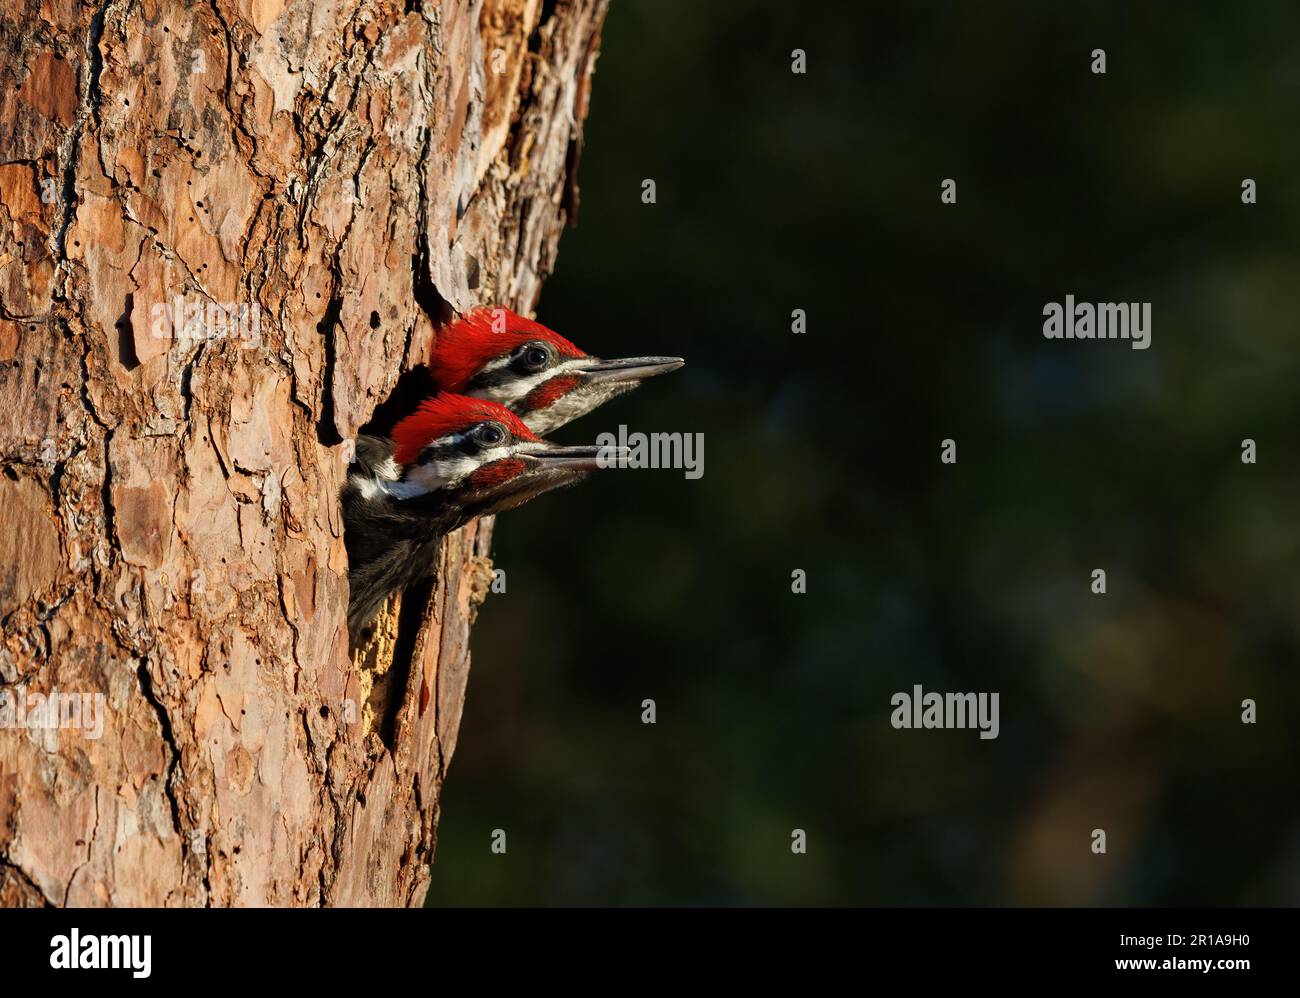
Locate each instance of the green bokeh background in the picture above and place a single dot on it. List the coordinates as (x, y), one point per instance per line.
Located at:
(821, 192)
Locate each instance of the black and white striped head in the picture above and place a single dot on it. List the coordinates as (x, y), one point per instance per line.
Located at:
(540, 376)
(476, 454)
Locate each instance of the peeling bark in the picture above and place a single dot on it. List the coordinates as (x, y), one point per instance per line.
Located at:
(226, 230)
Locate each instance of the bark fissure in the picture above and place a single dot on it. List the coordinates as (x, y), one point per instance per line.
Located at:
(25, 882)
(89, 105)
(326, 429)
(165, 726)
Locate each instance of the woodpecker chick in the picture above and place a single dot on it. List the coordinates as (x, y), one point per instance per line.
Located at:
(452, 460)
(494, 354)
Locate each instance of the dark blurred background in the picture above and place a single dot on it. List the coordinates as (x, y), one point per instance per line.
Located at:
(778, 191)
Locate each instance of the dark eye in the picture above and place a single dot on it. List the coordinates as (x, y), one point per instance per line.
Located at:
(536, 357)
(489, 434)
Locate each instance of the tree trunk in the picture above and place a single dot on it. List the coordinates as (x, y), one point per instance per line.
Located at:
(226, 230)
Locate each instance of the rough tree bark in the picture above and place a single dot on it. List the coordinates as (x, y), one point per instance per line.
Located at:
(226, 230)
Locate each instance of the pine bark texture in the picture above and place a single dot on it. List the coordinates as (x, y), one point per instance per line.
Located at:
(226, 229)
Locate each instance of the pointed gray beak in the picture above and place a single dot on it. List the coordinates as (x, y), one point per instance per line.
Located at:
(630, 368)
(580, 458)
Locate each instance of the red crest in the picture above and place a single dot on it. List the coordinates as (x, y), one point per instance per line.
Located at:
(465, 345)
(446, 413)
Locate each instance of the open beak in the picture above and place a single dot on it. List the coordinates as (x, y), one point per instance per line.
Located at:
(548, 456)
(630, 368)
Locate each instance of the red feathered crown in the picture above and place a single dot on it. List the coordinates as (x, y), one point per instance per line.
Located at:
(445, 413)
(467, 344)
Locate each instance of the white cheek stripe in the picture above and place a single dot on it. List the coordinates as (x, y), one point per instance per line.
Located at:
(518, 389)
(370, 488)
(421, 479)
(386, 474)
(496, 364)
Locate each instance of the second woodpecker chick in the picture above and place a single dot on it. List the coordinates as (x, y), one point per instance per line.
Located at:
(452, 460)
(494, 354)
